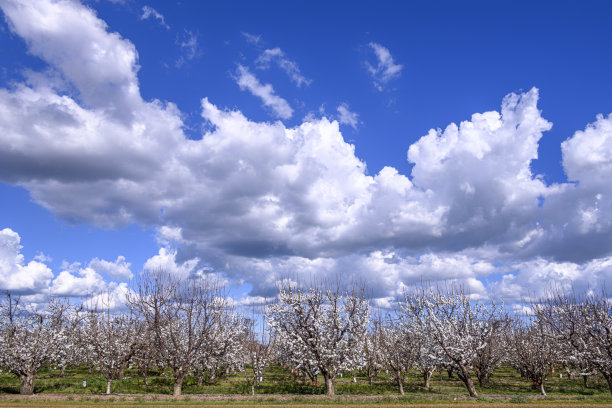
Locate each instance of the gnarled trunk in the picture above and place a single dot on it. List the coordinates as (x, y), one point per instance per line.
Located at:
(329, 385)
(427, 378)
(108, 386)
(483, 378)
(26, 384)
(542, 388)
(608, 378)
(464, 374)
(178, 384)
(400, 383)
(122, 369)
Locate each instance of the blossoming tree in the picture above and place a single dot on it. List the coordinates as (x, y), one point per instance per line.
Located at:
(459, 328)
(29, 337)
(181, 315)
(324, 323)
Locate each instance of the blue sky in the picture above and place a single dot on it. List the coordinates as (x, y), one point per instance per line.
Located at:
(257, 141)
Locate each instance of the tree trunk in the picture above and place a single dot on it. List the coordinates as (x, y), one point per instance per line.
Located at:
(253, 388)
(450, 372)
(122, 368)
(108, 386)
(570, 374)
(585, 378)
(26, 384)
(178, 384)
(400, 384)
(483, 379)
(329, 385)
(608, 378)
(542, 391)
(464, 375)
(371, 381)
(62, 371)
(427, 377)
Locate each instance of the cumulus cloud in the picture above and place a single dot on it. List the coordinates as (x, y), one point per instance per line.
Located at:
(113, 298)
(75, 281)
(166, 261)
(148, 11)
(249, 82)
(35, 278)
(255, 200)
(576, 217)
(346, 117)
(120, 269)
(387, 274)
(167, 235)
(481, 171)
(101, 65)
(386, 69)
(277, 56)
(535, 279)
(15, 274)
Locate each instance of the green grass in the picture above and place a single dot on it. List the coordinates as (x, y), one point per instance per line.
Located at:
(506, 386)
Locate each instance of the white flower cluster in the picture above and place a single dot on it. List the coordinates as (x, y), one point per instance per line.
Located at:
(321, 330)
(460, 333)
(29, 338)
(185, 327)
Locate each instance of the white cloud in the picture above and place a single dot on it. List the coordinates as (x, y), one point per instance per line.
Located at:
(190, 48)
(148, 11)
(36, 278)
(386, 69)
(386, 274)
(247, 81)
(576, 221)
(69, 36)
(252, 38)
(167, 235)
(253, 199)
(535, 279)
(587, 156)
(346, 117)
(78, 282)
(291, 68)
(165, 261)
(113, 298)
(41, 257)
(120, 269)
(15, 275)
(248, 302)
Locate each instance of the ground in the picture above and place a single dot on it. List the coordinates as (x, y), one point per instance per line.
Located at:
(279, 387)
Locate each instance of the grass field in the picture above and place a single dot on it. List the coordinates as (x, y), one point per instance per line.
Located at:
(279, 387)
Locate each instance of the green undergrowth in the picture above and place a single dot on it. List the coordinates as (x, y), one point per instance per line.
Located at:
(505, 386)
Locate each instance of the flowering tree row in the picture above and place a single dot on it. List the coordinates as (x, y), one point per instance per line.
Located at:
(187, 327)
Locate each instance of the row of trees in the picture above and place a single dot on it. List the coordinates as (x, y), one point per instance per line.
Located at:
(188, 328)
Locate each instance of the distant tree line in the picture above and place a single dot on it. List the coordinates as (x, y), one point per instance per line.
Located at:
(188, 327)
